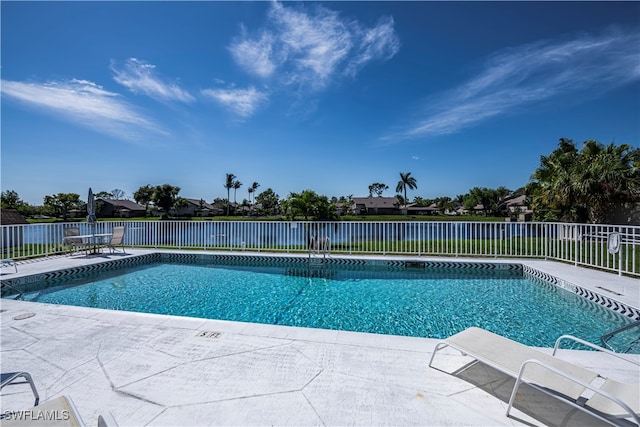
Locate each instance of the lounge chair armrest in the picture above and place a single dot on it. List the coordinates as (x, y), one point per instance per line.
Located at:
(591, 345)
(107, 420)
(560, 373)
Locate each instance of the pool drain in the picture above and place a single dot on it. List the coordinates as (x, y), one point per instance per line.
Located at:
(208, 334)
(24, 316)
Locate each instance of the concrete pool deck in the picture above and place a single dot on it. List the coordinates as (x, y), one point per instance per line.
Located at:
(159, 370)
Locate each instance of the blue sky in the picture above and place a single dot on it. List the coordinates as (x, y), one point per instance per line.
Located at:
(329, 96)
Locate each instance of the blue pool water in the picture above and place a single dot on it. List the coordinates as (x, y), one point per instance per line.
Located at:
(412, 302)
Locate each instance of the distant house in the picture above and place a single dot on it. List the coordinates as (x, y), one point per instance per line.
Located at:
(376, 205)
(11, 217)
(196, 207)
(459, 210)
(414, 209)
(13, 235)
(112, 208)
(76, 213)
(456, 209)
(343, 208)
(518, 208)
(478, 209)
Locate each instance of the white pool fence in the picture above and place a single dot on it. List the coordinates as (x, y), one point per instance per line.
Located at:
(613, 248)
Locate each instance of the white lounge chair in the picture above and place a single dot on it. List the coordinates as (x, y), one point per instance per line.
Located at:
(56, 412)
(610, 401)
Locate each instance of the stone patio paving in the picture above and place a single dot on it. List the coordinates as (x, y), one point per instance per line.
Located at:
(156, 370)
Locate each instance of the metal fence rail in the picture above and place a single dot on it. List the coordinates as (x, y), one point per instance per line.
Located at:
(580, 244)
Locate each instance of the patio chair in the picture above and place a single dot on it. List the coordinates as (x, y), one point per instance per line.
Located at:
(74, 243)
(10, 378)
(117, 239)
(606, 399)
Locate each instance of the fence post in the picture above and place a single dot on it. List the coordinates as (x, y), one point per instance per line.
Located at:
(455, 237)
(575, 237)
(620, 251)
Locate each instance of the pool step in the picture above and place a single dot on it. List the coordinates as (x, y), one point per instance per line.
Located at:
(316, 262)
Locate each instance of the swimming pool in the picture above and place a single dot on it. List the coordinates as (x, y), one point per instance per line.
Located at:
(411, 299)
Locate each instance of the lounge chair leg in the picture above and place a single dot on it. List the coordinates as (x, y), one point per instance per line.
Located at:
(8, 379)
(514, 392)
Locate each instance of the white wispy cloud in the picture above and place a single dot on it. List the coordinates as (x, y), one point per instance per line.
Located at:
(141, 77)
(517, 77)
(308, 47)
(255, 55)
(85, 103)
(243, 102)
(377, 43)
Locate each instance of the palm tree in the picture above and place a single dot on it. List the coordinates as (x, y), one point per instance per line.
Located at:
(587, 185)
(406, 180)
(606, 180)
(236, 185)
(553, 184)
(253, 189)
(229, 185)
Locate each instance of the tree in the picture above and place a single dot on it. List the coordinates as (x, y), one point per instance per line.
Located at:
(268, 199)
(311, 205)
(377, 188)
(347, 203)
(228, 184)
(236, 186)
(252, 190)
(11, 200)
(607, 181)
(62, 203)
(444, 204)
(143, 196)
(596, 184)
(300, 204)
(219, 203)
(406, 180)
(551, 184)
(180, 202)
(118, 194)
(490, 199)
(103, 195)
(165, 196)
(501, 194)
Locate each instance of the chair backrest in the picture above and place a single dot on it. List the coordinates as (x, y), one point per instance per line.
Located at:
(69, 234)
(117, 238)
(71, 231)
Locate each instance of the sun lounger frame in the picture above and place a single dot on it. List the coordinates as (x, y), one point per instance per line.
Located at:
(11, 377)
(544, 363)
